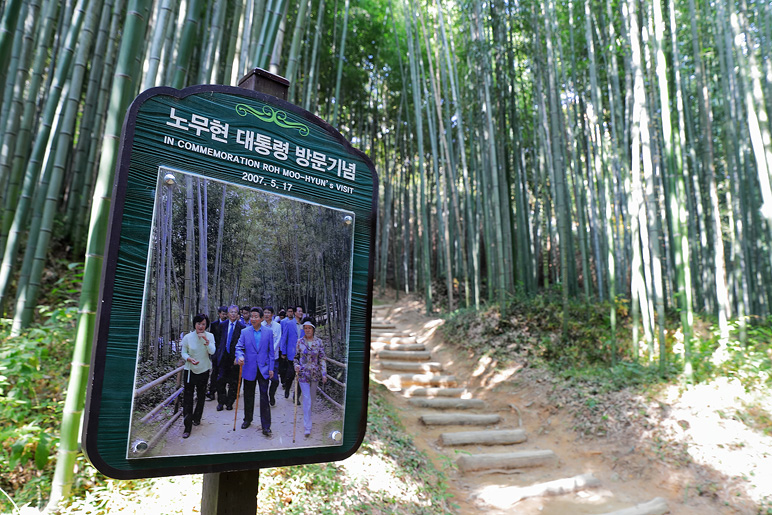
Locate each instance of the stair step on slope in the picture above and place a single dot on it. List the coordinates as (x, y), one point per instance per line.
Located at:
(405, 380)
(421, 355)
(434, 392)
(657, 506)
(506, 461)
(459, 419)
(447, 403)
(409, 366)
(489, 437)
(402, 347)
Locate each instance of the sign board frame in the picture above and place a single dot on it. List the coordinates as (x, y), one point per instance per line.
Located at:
(340, 178)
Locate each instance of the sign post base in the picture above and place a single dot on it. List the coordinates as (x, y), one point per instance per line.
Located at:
(230, 493)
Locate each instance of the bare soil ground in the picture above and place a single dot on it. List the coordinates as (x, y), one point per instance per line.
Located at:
(674, 445)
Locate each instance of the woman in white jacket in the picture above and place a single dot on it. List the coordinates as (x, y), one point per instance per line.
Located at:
(197, 347)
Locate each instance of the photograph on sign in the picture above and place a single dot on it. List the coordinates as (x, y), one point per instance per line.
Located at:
(246, 304)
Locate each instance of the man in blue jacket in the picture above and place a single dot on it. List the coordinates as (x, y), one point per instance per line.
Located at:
(255, 352)
(287, 348)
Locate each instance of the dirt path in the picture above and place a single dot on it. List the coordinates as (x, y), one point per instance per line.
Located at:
(216, 435)
(620, 475)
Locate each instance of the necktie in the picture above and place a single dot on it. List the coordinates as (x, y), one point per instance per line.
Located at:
(228, 341)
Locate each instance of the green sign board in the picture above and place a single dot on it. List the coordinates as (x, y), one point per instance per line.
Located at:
(229, 197)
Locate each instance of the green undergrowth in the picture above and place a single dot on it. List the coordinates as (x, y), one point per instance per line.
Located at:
(34, 368)
(528, 330)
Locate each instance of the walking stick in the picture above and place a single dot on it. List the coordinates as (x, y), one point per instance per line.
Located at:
(295, 423)
(238, 390)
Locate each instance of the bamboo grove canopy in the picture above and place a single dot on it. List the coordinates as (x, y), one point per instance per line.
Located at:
(619, 149)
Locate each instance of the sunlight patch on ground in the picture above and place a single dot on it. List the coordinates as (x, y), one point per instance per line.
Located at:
(429, 328)
(378, 475)
(487, 370)
(482, 366)
(583, 490)
(705, 416)
(168, 495)
(503, 375)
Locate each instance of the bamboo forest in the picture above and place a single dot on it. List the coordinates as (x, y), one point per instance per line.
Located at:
(616, 153)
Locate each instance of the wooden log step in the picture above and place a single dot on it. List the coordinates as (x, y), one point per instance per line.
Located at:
(505, 497)
(506, 461)
(490, 437)
(384, 307)
(404, 347)
(459, 419)
(409, 366)
(657, 506)
(396, 340)
(435, 392)
(403, 380)
(420, 355)
(379, 334)
(447, 403)
(382, 326)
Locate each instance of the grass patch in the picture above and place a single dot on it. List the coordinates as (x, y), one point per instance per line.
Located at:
(34, 368)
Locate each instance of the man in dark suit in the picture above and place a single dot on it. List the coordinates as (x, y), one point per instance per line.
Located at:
(255, 352)
(222, 316)
(228, 373)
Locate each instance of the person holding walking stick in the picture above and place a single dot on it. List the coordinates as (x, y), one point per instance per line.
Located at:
(238, 390)
(310, 368)
(255, 352)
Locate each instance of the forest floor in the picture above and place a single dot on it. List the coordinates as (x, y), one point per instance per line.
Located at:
(687, 445)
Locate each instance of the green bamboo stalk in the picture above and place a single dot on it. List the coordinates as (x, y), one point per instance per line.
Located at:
(28, 121)
(27, 298)
(278, 42)
(210, 64)
(7, 34)
(163, 19)
(187, 43)
(35, 164)
(310, 79)
(230, 54)
(425, 260)
(297, 36)
(471, 237)
(85, 133)
(9, 79)
(120, 96)
(339, 76)
(13, 103)
(442, 204)
(92, 165)
(247, 29)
